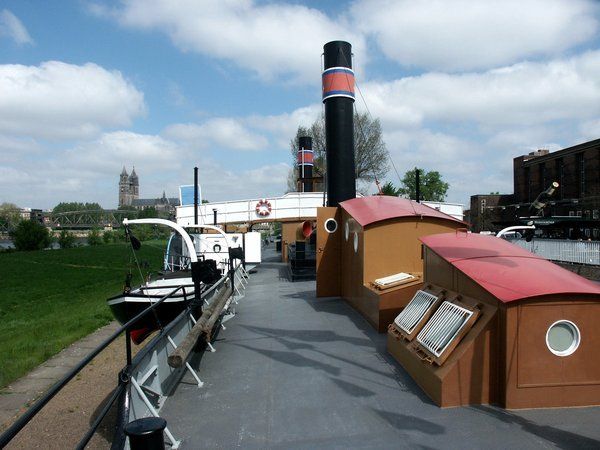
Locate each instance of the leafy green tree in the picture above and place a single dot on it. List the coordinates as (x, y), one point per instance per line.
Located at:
(113, 236)
(389, 189)
(64, 207)
(127, 208)
(66, 239)
(30, 235)
(148, 213)
(433, 188)
(147, 232)
(94, 237)
(370, 154)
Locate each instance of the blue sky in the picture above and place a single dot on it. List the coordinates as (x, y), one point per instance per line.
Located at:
(460, 87)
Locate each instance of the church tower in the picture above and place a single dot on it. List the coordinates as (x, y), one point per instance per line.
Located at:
(134, 184)
(124, 191)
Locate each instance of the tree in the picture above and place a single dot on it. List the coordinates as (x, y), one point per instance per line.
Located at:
(370, 154)
(432, 187)
(389, 189)
(30, 235)
(64, 207)
(94, 237)
(66, 239)
(148, 213)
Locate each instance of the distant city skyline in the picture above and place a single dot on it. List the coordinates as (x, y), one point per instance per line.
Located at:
(460, 87)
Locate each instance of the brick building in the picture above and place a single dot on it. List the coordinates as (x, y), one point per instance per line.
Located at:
(574, 209)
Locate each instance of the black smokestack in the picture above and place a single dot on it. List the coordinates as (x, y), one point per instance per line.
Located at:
(417, 185)
(305, 163)
(338, 96)
(195, 196)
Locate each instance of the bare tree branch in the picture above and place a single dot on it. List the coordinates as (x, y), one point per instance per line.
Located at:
(370, 153)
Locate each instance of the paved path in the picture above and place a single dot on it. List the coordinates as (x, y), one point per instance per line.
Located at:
(293, 371)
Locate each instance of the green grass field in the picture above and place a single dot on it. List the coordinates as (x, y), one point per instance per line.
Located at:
(49, 299)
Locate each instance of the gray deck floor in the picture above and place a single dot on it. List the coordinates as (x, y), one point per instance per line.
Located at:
(293, 371)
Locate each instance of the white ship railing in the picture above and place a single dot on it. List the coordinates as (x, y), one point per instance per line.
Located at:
(581, 252)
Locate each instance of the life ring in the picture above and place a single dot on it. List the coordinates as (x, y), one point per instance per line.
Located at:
(263, 208)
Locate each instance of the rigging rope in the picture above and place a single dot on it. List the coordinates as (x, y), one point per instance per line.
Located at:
(389, 156)
(364, 138)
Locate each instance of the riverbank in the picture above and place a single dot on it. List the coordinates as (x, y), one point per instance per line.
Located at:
(50, 299)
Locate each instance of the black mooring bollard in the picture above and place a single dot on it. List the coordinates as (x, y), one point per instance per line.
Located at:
(146, 433)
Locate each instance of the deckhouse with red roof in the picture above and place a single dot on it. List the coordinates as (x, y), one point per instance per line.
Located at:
(369, 253)
(497, 324)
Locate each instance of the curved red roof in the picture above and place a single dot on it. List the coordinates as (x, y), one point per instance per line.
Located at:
(505, 270)
(375, 208)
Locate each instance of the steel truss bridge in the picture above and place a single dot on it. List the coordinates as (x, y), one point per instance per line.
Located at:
(88, 219)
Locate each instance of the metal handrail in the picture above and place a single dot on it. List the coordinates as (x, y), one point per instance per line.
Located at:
(12, 431)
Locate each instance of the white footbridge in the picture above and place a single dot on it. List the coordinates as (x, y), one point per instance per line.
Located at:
(290, 207)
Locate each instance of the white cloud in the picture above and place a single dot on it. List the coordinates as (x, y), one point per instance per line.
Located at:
(219, 183)
(223, 132)
(523, 94)
(272, 40)
(111, 151)
(90, 171)
(13, 28)
(12, 148)
(589, 130)
(468, 166)
(466, 34)
(470, 126)
(282, 127)
(57, 100)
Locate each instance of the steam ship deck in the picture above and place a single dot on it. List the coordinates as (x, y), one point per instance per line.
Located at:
(294, 371)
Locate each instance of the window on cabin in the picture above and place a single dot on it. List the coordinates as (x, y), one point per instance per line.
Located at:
(563, 337)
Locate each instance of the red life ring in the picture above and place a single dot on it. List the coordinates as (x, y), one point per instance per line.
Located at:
(263, 208)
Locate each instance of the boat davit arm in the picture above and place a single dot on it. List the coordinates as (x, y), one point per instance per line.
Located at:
(185, 236)
(215, 228)
(515, 228)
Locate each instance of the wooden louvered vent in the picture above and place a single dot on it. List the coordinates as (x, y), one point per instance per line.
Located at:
(442, 333)
(414, 315)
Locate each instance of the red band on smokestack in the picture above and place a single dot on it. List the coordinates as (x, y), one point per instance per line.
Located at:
(306, 157)
(338, 82)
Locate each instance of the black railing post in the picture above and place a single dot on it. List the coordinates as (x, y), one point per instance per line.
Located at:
(128, 346)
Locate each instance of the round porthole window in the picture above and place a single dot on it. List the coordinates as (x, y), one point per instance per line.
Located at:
(331, 225)
(216, 248)
(346, 230)
(355, 242)
(563, 337)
